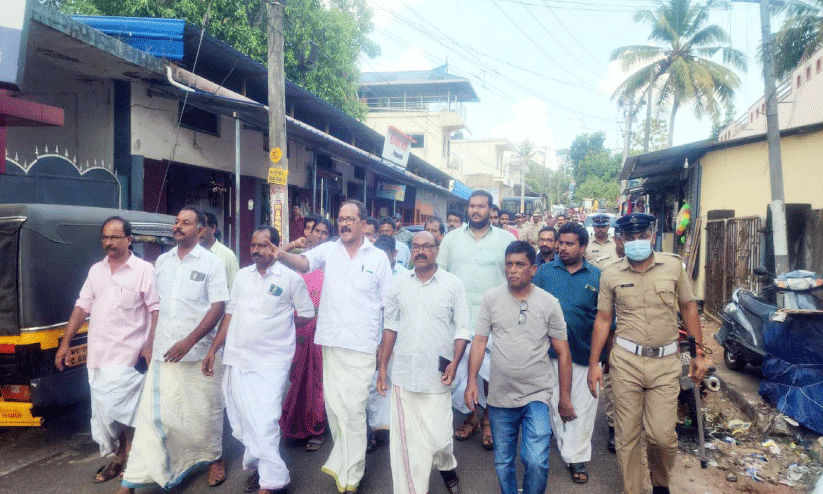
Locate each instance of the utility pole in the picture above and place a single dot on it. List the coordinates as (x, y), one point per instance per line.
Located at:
(779, 237)
(279, 166)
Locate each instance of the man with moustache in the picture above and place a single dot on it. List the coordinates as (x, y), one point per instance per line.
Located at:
(574, 283)
(356, 282)
(434, 225)
(370, 229)
(454, 219)
(522, 227)
(120, 298)
(475, 254)
(561, 220)
(505, 217)
(267, 301)
(601, 246)
(546, 240)
(180, 417)
(525, 321)
(536, 225)
(423, 337)
(494, 216)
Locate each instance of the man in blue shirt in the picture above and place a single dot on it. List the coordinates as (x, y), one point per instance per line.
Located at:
(575, 283)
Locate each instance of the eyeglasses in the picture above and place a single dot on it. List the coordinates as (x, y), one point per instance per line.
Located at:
(103, 238)
(424, 247)
(524, 306)
(347, 221)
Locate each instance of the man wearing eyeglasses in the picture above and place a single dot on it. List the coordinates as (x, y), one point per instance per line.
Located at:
(120, 297)
(357, 278)
(523, 320)
(426, 328)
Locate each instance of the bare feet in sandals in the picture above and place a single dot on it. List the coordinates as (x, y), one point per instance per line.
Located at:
(107, 472)
(314, 443)
(217, 473)
(488, 442)
(468, 428)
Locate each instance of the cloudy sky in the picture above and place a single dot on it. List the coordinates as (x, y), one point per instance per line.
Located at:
(541, 67)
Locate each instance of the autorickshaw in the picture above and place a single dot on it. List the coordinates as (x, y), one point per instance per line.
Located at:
(46, 251)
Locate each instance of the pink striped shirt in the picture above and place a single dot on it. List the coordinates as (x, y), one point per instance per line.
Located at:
(119, 304)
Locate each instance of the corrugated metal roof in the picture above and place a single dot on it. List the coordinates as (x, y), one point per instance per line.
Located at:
(162, 38)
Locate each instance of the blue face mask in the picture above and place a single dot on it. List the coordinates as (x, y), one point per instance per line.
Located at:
(638, 250)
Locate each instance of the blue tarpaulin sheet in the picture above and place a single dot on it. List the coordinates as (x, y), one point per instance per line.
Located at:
(793, 370)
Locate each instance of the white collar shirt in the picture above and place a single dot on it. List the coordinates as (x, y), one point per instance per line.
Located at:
(353, 295)
(187, 288)
(428, 318)
(261, 334)
(403, 253)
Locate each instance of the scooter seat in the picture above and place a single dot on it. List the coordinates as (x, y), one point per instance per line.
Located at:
(755, 305)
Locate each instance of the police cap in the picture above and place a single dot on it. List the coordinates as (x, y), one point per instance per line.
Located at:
(635, 222)
(600, 219)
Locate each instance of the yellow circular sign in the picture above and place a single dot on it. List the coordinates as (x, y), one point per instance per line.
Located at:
(275, 155)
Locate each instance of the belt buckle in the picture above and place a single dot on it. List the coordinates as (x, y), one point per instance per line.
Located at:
(648, 351)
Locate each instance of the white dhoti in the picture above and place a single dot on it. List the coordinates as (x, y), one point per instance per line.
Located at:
(379, 406)
(346, 377)
(115, 394)
(179, 423)
(420, 438)
(574, 439)
(461, 377)
(254, 400)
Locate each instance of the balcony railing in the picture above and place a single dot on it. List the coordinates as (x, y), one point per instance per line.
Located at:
(417, 103)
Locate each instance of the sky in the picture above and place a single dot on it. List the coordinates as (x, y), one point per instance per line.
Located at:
(541, 67)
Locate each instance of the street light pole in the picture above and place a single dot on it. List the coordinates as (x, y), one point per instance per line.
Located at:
(779, 236)
(778, 205)
(279, 167)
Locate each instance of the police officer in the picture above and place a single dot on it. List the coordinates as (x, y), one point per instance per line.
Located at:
(601, 248)
(644, 292)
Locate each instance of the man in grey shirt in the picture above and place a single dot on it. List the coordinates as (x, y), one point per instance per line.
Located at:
(523, 320)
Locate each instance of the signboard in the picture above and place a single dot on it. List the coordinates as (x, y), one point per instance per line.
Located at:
(275, 154)
(396, 147)
(391, 191)
(278, 176)
(14, 33)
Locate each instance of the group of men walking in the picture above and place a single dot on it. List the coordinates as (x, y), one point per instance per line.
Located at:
(533, 320)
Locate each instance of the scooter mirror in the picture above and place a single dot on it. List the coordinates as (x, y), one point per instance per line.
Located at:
(762, 271)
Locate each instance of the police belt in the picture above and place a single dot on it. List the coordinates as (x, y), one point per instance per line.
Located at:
(647, 351)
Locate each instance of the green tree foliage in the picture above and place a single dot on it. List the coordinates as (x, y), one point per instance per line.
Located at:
(677, 69)
(323, 38)
(800, 35)
(604, 191)
(584, 144)
(719, 125)
(594, 169)
(659, 138)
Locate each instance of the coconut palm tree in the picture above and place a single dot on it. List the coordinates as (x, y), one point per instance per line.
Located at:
(676, 70)
(800, 35)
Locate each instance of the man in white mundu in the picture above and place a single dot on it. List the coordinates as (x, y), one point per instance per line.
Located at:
(426, 325)
(259, 335)
(357, 278)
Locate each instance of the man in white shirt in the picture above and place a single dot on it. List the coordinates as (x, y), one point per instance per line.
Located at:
(180, 416)
(426, 326)
(227, 256)
(356, 282)
(259, 333)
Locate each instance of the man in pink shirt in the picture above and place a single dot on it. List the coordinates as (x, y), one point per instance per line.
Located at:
(120, 297)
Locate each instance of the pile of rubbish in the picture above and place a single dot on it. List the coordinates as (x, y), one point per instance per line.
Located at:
(773, 449)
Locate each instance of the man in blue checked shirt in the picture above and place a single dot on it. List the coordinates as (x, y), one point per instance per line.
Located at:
(575, 283)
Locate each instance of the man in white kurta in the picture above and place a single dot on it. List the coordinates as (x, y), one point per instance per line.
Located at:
(180, 418)
(426, 322)
(119, 299)
(259, 335)
(355, 284)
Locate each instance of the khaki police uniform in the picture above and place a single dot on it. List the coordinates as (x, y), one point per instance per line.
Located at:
(608, 392)
(645, 387)
(523, 231)
(597, 251)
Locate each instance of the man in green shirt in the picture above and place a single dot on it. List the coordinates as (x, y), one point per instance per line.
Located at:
(475, 253)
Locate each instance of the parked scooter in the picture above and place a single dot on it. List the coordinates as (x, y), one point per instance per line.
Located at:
(746, 315)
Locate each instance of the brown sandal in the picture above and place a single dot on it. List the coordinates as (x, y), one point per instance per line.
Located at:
(466, 430)
(217, 473)
(314, 443)
(107, 472)
(488, 442)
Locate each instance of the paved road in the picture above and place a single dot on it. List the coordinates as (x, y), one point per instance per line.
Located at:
(63, 461)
